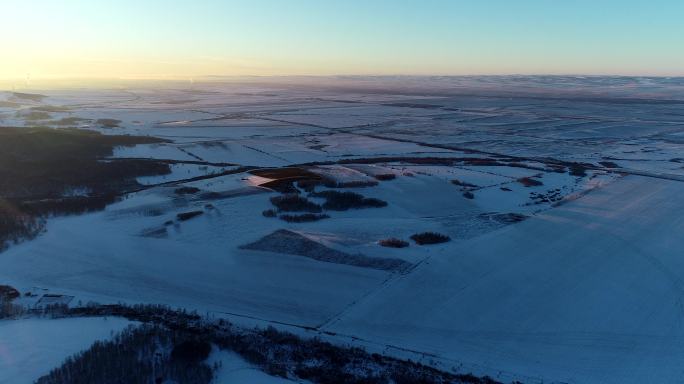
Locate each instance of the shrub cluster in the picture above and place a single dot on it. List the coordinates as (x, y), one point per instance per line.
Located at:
(393, 242)
(269, 213)
(386, 176)
(186, 190)
(184, 216)
(429, 238)
(295, 203)
(463, 184)
(303, 218)
(342, 201)
(350, 184)
(108, 123)
(609, 164)
(8, 293)
(529, 182)
(309, 185)
(577, 170)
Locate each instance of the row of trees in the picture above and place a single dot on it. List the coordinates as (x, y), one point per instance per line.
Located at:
(173, 346)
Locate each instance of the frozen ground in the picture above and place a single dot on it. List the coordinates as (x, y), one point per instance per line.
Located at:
(588, 292)
(234, 369)
(31, 348)
(553, 274)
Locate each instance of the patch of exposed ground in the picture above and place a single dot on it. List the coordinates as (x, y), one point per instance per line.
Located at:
(292, 243)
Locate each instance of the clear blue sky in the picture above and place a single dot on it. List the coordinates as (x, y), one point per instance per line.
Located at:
(317, 37)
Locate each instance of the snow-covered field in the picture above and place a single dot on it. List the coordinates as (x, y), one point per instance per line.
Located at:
(234, 369)
(588, 292)
(553, 273)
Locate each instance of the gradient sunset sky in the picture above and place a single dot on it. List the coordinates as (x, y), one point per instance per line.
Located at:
(167, 38)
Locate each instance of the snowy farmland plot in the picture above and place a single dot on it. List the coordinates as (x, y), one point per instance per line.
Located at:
(532, 238)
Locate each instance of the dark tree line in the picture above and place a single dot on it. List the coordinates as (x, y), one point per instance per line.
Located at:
(138, 355)
(46, 172)
(172, 345)
(16, 225)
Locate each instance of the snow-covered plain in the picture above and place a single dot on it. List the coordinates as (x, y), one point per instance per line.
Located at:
(586, 289)
(586, 292)
(234, 369)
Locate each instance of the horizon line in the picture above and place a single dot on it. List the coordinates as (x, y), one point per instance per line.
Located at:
(163, 77)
